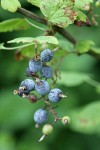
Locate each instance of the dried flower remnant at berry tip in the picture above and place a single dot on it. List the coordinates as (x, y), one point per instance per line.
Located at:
(38, 69)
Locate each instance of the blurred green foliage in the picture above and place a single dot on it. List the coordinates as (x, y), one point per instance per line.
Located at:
(17, 131)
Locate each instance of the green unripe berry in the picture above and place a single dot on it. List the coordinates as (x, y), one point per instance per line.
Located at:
(65, 120)
(97, 4)
(47, 129)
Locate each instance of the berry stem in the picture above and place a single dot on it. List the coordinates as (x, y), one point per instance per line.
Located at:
(51, 110)
(35, 51)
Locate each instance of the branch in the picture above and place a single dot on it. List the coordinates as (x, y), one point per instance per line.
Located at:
(66, 35)
(61, 31)
(41, 20)
(32, 15)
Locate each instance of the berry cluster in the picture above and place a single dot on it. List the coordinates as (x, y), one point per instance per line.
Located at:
(38, 69)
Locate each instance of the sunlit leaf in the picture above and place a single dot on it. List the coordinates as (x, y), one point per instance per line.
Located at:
(81, 4)
(13, 25)
(10, 5)
(14, 48)
(35, 2)
(40, 39)
(81, 16)
(60, 13)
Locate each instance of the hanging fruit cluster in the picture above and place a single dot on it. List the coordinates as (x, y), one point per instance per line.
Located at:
(40, 72)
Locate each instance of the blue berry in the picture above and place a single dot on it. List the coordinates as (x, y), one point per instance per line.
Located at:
(46, 72)
(27, 85)
(40, 116)
(35, 65)
(54, 95)
(46, 55)
(28, 72)
(42, 87)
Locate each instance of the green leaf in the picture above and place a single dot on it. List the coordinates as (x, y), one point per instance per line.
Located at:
(27, 51)
(81, 4)
(13, 25)
(30, 41)
(1, 46)
(15, 115)
(58, 12)
(87, 119)
(35, 2)
(73, 78)
(14, 48)
(84, 46)
(81, 16)
(30, 23)
(6, 141)
(10, 5)
(96, 50)
(40, 39)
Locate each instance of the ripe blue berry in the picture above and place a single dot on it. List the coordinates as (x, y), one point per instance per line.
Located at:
(42, 87)
(28, 72)
(46, 72)
(35, 65)
(40, 116)
(55, 95)
(27, 85)
(46, 55)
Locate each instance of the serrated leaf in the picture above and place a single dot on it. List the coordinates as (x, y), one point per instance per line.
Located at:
(60, 13)
(80, 4)
(35, 2)
(72, 78)
(84, 46)
(13, 25)
(87, 119)
(10, 5)
(40, 39)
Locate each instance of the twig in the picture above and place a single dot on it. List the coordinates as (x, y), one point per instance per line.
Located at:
(32, 15)
(51, 110)
(60, 30)
(41, 20)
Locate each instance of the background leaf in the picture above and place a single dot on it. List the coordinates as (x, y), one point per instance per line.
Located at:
(60, 13)
(81, 16)
(35, 2)
(82, 3)
(84, 46)
(10, 5)
(73, 78)
(39, 39)
(13, 25)
(96, 50)
(87, 119)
